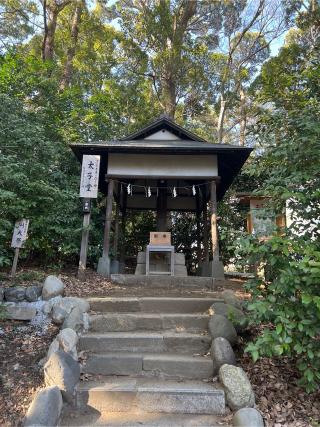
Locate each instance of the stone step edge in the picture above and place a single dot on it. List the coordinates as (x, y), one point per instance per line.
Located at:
(152, 396)
(144, 334)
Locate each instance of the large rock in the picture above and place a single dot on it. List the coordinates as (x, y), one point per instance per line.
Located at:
(66, 341)
(232, 313)
(33, 293)
(239, 393)
(222, 353)
(229, 297)
(47, 308)
(15, 294)
(75, 320)
(45, 409)
(63, 307)
(220, 326)
(247, 417)
(16, 312)
(52, 287)
(63, 371)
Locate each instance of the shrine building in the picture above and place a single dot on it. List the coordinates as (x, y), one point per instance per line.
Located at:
(164, 167)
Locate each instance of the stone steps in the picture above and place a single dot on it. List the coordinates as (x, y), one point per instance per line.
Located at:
(146, 342)
(126, 394)
(164, 281)
(151, 304)
(165, 365)
(136, 419)
(125, 322)
(147, 356)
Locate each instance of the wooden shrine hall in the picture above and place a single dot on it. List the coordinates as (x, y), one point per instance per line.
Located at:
(164, 167)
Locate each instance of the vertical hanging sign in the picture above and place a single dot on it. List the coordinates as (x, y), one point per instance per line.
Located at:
(20, 235)
(88, 190)
(90, 176)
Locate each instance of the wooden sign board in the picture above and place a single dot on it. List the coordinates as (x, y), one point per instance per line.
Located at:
(20, 233)
(90, 176)
(160, 238)
(263, 222)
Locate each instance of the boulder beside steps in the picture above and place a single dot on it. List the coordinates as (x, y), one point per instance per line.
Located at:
(148, 357)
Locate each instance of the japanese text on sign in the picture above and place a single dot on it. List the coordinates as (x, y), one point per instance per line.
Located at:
(89, 176)
(20, 233)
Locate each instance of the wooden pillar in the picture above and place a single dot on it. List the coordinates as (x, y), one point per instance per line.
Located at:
(162, 220)
(84, 246)
(15, 262)
(123, 230)
(107, 225)
(213, 217)
(217, 270)
(116, 232)
(104, 262)
(205, 232)
(199, 251)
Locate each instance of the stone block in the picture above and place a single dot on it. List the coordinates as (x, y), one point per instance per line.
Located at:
(236, 316)
(179, 259)
(114, 364)
(180, 270)
(220, 326)
(140, 269)
(239, 393)
(114, 266)
(75, 320)
(222, 353)
(63, 371)
(247, 417)
(33, 293)
(230, 297)
(104, 267)
(213, 269)
(45, 409)
(52, 287)
(141, 258)
(15, 312)
(15, 294)
(66, 341)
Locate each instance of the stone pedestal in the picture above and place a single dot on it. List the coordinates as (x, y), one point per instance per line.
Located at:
(104, 267)
(213, 269)
(115, 266)
(180, 268)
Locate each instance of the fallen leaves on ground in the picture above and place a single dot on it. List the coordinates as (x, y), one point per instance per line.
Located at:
(22, 346)
(280, 400)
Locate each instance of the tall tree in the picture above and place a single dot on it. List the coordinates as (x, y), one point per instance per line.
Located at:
(51, 10)
(76, 18)
(170, 34)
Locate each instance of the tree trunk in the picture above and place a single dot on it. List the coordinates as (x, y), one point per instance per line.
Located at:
(68, 68)
(222, 112)
(169, 96)
(51, 10)
(243, 117)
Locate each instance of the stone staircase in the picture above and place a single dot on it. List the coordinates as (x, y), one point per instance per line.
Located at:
(148, 364)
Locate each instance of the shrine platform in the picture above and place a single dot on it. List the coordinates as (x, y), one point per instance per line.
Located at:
(162, 281)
